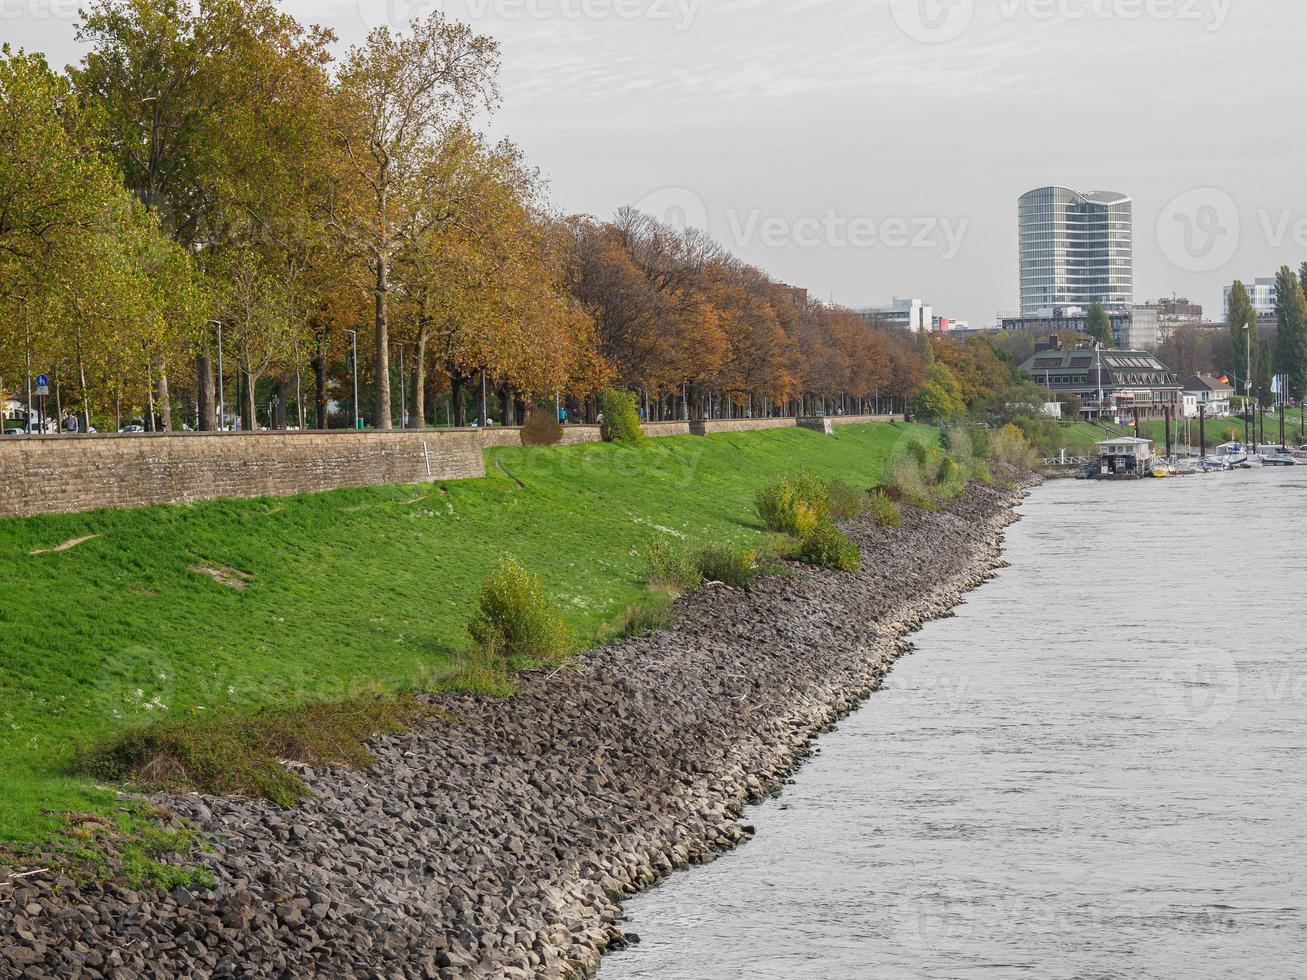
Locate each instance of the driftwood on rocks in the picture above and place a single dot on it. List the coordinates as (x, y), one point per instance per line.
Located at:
(502, 845)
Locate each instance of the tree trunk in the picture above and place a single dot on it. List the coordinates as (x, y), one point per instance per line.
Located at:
(205, 392)
(280, 397)
(320, 388)
(457, 382)
(420, 378)
(165, 401)
(251, 420)
(381, 364)
(505, 405)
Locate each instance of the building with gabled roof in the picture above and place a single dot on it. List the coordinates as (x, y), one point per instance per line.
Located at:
(1119, 385)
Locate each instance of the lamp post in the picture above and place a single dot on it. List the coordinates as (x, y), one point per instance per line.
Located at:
(1247, 384)
(222, 385)
(354, 353)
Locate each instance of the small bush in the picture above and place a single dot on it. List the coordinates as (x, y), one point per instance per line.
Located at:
(514, 617)
(845, 503)
(542, 429)
(959, 443)
(826, 546)
(908, 484)
(645, 619)
(793, 504)
(673, 566)
(728, 564)
(239, 754)
(884, 511)
(621, 412)
(1009, 447)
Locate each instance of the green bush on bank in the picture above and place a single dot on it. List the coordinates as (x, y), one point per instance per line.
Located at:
(883, 510)
(826, 546)
(1010, 447)
(514, 618)
(805, 507)
(844, 502)
(728, 564)
(677, 568)
(621, 417)
(793, 504)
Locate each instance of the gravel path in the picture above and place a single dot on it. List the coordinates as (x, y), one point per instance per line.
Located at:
(502, 844)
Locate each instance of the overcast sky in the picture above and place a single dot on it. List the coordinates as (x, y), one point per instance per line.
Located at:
(872, 148)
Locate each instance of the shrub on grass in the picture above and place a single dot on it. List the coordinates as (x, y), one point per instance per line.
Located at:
(239, 754)
(959, 443)
(515, 618)
(845, 503)
(907, 482)
(793, 504)
(672, 565)
(884, 511)
(542, 429)
(1009, 446)
(621, 412)
(644, 619)
(728, 564)
(826, 546)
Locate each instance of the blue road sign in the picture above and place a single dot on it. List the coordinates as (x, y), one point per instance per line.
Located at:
(42, 381)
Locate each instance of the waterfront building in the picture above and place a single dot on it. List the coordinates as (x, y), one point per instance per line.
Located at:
(1211, 394)
(1076, 249)
(1111, 384)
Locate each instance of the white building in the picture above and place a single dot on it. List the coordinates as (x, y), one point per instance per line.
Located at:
(1212, 394)
(1261, 292)
(911, 314)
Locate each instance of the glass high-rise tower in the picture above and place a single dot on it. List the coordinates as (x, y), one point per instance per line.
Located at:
(1076, 249)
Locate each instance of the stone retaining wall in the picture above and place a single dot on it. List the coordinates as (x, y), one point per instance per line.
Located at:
(66, 474)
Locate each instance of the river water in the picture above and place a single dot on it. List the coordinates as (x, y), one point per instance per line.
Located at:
(1097, 769)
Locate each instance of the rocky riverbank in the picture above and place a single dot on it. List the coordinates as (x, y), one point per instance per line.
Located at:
(500, 842)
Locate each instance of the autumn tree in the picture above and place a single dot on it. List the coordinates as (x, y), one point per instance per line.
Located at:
(397, 98)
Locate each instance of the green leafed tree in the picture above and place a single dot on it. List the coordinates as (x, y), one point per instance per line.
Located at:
(1099, 326)
(940, 396)
(1242, 321)
(1290, 358)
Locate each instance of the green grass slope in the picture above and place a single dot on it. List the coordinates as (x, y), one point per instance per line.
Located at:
(171, 612)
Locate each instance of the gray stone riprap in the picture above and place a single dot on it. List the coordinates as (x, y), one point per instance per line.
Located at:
(502, 845)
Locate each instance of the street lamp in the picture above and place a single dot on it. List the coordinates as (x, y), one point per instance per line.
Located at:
(1248, 382)
(222, 384)
(354, 348)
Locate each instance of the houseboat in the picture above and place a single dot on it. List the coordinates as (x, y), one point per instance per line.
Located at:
(1126, 458)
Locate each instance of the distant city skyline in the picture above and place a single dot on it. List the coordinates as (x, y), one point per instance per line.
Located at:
(852, 148)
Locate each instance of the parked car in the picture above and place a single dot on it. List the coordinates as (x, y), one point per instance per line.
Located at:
(132, 428)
